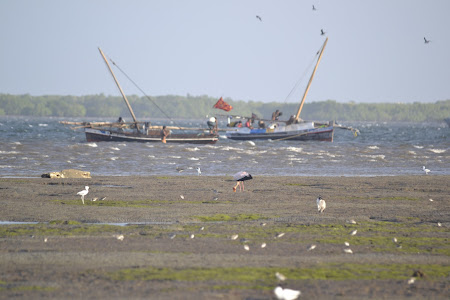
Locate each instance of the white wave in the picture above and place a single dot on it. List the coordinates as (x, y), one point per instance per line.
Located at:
(5, 167)
(193, 158)
(223, 137)
(122, 144)
(16, 143)
(294, 149)
(375, 157)
(43, 125)
(29, 125)
(412, 152)
(373, 147)
(114, 158)
(93, 145)
(418, 147)
(228, 148)
(251, 143)
(192, 149)
(114, 148)
(9, 152)
(437, 150)
(175, 157)
(151, 156)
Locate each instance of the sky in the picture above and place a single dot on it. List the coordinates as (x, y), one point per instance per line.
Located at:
(375, 52)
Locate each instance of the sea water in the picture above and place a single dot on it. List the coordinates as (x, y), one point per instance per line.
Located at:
(31, 146)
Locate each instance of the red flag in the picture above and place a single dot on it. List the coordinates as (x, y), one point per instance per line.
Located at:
(223, 105)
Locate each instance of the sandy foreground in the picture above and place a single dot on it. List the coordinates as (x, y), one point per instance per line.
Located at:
(182, 244)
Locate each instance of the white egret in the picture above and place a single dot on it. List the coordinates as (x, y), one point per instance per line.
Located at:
(83, 193)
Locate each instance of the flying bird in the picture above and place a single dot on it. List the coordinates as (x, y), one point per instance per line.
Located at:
(199, 171)
(286, 294)
(322, 32)
(426, 170)
(259, 18)
(240, 177)
(426, 41)
(321, 205)
(83, 193)
(314, 8)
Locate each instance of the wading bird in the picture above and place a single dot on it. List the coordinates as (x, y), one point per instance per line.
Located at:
(426, 170)
(240, 177)
(83, 193)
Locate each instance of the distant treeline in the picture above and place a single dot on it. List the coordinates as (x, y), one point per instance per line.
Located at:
(193, 107)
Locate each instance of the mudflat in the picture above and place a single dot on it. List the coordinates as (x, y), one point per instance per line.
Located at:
(184, 237)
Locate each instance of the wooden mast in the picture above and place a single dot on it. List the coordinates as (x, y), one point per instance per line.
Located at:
(297, 116)
(118, 85)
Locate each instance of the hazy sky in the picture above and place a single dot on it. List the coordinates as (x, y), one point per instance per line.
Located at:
(375, 53)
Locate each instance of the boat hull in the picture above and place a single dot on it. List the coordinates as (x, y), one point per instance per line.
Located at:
(97, 135)
(316, 134)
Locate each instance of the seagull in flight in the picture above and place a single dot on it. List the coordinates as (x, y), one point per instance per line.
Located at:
(314, 8)
(322, 32)
(259, 18)
(426, 41)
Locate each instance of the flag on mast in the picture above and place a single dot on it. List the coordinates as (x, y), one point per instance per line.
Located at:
(223, 105)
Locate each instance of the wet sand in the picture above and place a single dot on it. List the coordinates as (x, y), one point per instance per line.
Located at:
(158, 258)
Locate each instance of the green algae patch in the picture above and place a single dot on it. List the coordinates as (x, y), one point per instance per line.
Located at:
(224, 218)
(25, 288)
(60, 230)
(266, 276)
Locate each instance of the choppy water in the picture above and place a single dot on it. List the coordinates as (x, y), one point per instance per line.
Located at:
(30, 147)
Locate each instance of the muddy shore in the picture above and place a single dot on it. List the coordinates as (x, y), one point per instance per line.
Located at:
(178, 243)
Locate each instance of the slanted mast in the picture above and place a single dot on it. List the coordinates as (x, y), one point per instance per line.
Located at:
(118, 85)
(297, 116)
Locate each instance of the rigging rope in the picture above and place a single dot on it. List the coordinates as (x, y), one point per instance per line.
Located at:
(302, 76)
(135, 84)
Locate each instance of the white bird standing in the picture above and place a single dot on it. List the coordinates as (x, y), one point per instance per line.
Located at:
(286, 294)
(199, 171)
(321, 205)
(83, 193)
(240, 177)
(280, 276)
(353, 232)
(426, 170)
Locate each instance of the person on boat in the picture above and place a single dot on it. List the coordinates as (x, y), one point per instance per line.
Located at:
(248, 124)
(261, 124)
(212, 124)
(121, 120)
(164, 134)
(276, 114)
(239, 124)
(291, 120)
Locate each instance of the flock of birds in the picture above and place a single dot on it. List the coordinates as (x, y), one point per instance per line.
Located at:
(279, 292)
(323, 32)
